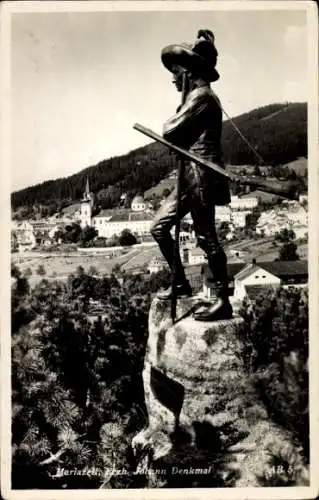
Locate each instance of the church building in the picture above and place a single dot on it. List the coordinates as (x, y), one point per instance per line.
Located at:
(110, 222)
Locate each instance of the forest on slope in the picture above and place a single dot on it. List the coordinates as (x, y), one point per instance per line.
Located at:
(277, 131)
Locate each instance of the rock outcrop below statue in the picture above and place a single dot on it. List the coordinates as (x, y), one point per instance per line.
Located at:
(206, 426)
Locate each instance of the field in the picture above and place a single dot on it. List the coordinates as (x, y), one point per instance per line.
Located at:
(60, 265)
(166, 183)
(263, 250)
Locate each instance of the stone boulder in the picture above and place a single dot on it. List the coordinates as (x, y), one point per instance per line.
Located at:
(206, 426)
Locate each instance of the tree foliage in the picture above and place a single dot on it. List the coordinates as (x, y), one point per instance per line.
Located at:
(223, 230)
(72, 233)
(288, 251)
(269, 129)
(41, 270)
(285, 235)
(88, 234)
(77, 393)
(127, 238)
(252, 219)
(276, 339)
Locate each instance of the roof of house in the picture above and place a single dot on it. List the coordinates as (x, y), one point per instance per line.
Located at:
(240, 213)
(132, 216)
(247, 270)
(157, 260)
(124, 214)
(138, 199)
(232, 267)
(234, 259)
(196, 251)
(286, 267)
(43, 224)
(279, 268)
(110, 212)
(243, 197)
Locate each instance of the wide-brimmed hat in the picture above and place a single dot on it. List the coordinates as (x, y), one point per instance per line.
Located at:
(199, 58)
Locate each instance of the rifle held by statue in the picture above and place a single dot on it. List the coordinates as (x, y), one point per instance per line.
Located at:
(287, 189)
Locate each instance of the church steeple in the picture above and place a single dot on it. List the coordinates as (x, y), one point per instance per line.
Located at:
(87, 194)
(87, 206)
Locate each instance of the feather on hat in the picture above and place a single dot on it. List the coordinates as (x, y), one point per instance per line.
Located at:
(200, 58)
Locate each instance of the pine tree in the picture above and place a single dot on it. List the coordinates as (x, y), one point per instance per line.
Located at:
(72, 376)
(275, 334)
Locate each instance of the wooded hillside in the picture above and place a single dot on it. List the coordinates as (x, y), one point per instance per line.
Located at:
(277, 131)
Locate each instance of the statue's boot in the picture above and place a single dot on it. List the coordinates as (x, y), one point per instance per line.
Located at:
(220, 308)
(183, 289)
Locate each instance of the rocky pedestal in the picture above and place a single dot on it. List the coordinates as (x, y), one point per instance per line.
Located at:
(206, 425)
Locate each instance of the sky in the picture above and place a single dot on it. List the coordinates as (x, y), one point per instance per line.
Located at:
(79, 81)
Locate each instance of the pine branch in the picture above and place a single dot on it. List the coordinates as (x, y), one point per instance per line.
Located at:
(56, 456)
(53, 458)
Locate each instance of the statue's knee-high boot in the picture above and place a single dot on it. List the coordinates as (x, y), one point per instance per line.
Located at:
(183, 287)
(221, 307)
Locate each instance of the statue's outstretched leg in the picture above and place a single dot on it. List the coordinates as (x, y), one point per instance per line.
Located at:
(203, 213)
(163, 223)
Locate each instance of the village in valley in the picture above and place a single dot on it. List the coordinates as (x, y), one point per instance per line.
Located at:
(254, 228)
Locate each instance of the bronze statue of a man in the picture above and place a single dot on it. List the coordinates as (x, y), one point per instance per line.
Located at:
(196, 126)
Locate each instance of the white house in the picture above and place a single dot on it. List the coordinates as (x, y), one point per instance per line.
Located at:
(239, 217)
(300, 230)
(297, 215)
(223, 213)
(243, 203)
(253, 275)
(138, 204)
(273, 221)
(248, 280)
(233, 214)
(25, 236)
(156, 264)
(196, 256)
(272, 228)
(138, 223)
